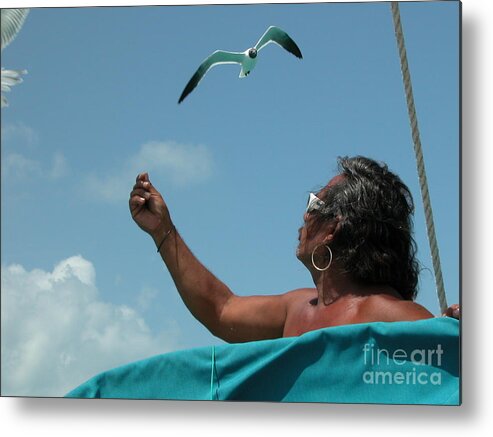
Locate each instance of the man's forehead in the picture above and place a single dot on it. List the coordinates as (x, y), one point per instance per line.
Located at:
(334, 181)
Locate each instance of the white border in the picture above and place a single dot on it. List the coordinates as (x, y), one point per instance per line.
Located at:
(60, 417)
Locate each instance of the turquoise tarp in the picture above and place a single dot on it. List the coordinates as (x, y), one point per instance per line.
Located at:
(395, 363)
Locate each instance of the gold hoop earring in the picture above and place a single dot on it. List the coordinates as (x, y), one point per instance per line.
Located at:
(330, 258)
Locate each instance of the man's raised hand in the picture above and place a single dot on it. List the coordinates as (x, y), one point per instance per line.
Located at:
(148, 208)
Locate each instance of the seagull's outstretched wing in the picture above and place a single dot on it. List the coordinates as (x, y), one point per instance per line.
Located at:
(276, 35)
(218, 57)
(11, 22)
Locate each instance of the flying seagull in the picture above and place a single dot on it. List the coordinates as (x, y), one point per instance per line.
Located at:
(11, 21)
(246, 59)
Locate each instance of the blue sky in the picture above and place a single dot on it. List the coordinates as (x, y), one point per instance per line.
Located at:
(235, 162)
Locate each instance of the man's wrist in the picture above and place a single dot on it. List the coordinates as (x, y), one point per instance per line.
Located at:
(162, 234)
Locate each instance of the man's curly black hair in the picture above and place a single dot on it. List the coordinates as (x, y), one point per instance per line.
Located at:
(373, 242)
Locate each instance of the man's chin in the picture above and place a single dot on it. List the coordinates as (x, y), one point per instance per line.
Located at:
(300, 255)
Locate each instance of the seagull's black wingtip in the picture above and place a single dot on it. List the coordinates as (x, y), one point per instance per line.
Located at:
(296, 51)
(293, 48)
(182, 97)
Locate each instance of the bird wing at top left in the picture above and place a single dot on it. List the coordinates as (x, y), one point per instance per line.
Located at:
(11, 21)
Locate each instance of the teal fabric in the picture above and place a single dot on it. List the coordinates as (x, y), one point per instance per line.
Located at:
(393, 363)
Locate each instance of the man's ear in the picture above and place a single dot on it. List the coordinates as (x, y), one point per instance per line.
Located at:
(332, 228)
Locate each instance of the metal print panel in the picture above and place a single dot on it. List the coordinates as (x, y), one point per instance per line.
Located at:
(252, 202)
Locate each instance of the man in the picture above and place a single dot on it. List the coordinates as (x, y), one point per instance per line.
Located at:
(356, 243)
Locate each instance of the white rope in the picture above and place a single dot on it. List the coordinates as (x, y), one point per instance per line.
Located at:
(430, 227)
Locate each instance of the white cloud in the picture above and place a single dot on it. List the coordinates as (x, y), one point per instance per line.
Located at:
(19, 135)
(57, 333)
(59, 166)
(15, 165)
(181, 164)
(19, 141)
(145, 297)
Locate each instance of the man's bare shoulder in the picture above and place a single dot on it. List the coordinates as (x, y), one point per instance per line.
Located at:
(300, 293)
(389, 309)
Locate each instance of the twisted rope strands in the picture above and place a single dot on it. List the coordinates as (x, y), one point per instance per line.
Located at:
(430, 227)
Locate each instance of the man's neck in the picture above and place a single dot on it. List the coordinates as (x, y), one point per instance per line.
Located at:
(334, 286)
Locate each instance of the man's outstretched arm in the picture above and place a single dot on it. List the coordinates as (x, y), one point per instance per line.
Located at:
(228, 316)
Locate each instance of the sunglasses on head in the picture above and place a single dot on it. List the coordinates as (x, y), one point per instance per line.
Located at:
(314, 204)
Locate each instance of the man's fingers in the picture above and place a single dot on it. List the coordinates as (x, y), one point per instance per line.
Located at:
(142, 177)
(144, 182)
(136, 203)
(456, 311)
(138, 198)
(141, 193)
(453, 311)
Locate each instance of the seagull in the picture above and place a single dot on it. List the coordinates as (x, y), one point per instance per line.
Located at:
(246, 59)
(11, 21)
